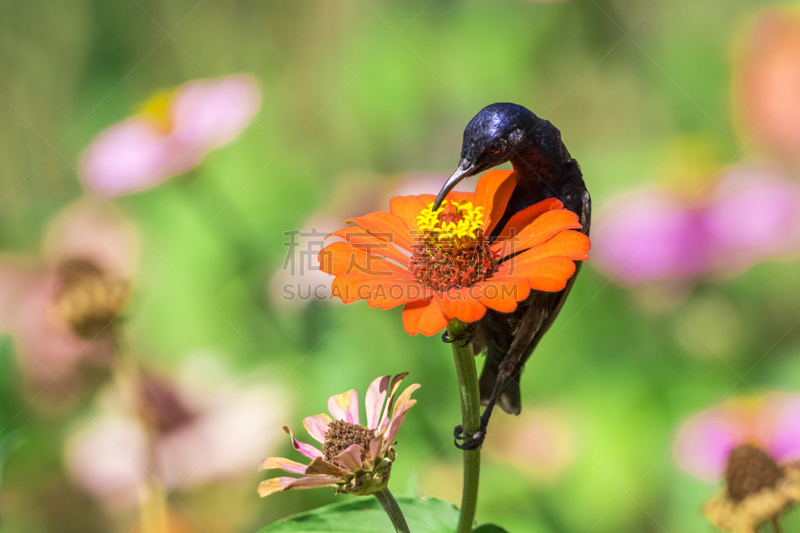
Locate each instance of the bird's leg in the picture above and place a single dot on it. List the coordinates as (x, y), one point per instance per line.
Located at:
(472, 442)
(471, 331)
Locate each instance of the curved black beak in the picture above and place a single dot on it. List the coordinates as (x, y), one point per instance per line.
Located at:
(465, 169)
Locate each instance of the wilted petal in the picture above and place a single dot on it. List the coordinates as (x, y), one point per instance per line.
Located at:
(320, 466)
(375, 446)
(404, 402)
(306, 449)
(394, 426)
(271, 486)
(373, 401)
(393, 388)
(278, 484)
(287, 465)
(317, 426)
(344, 406)
(703, 444)
(312, 482)
(350, 457)
(784, 443)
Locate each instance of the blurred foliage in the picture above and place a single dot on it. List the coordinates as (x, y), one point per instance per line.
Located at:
(385, 88)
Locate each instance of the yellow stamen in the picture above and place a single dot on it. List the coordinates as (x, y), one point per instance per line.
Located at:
(471, 220)
(156, 109)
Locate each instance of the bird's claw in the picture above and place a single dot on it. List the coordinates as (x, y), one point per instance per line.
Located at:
(469, 442)
(466, 338)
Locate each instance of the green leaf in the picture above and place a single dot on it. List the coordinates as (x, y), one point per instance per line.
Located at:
(365, 515)
(489, 528)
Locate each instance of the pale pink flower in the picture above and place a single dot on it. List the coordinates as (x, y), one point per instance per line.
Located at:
(355, 458)
(655, 234)
(772, 424)
(172, 134)
(202, 434)
(58, 307)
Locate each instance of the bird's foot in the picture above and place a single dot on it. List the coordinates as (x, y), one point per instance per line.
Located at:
(465, 338)
(470, 442)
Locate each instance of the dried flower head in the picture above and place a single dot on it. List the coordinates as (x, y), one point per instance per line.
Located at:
(355, 458)
(753, 446)
(89, 299)
(757, 490)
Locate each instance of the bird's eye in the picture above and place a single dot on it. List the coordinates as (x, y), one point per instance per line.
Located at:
(495, 148)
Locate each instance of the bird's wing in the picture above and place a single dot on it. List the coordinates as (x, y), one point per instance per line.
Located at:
(556, 302)
(511, 352)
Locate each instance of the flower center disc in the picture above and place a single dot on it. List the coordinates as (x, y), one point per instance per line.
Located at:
(451, 250)
(342, 434)
(749, 471)
(88, 299)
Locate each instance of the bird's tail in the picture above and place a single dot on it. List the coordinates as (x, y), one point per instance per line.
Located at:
(509, 397)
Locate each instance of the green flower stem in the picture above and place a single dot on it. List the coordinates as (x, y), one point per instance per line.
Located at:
(389, 505)
(471, 422)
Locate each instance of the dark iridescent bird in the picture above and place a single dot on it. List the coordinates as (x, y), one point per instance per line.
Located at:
(502, 133)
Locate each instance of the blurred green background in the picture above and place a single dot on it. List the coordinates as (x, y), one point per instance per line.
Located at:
(378, 89)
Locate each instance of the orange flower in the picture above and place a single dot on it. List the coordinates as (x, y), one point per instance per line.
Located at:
(446, 264)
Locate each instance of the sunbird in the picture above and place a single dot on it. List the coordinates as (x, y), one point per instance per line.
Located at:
(544, 168)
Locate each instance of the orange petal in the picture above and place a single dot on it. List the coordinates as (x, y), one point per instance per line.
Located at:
(358, 237)
(502, 294)
(570, 244)
(521, 219)
(341, 258)
(382, 292)
(408, 207)
(462, 304)
(423, 316)
(544, 274)
(388, 227)
(540, 230)
(461, 196)
(551, 274)
(493, 192)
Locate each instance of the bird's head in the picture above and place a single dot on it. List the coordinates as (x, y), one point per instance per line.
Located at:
(493, 137)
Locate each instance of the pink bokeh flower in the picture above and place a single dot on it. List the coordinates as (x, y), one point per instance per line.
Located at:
(199, 433)
(655, 234)
(772, 423)
(59, 308)
(534, 443)
(767, 82)
(754, 446)
(173, 133)
(355, 458)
